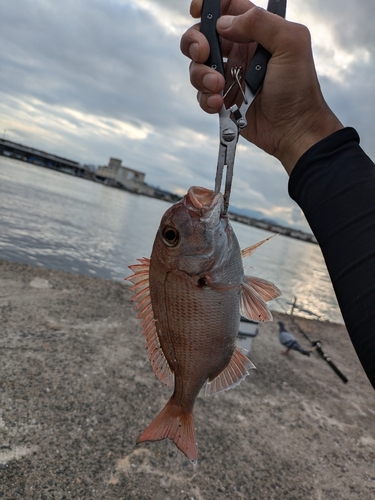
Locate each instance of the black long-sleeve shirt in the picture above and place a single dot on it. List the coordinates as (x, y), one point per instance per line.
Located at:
(334, 184)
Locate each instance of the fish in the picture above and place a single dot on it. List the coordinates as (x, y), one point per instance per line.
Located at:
(189, 295)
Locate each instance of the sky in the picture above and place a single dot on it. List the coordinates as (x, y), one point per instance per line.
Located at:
(93, 79)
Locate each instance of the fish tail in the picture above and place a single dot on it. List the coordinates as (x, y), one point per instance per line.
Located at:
(175, 423)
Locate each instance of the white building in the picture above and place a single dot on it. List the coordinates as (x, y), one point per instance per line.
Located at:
(131, 179)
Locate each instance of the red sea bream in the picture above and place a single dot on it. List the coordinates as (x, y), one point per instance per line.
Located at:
(189, 295)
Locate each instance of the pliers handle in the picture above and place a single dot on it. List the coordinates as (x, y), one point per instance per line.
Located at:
(233, 120)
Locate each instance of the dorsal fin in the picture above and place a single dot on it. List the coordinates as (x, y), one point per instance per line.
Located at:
(141, 285)
(246, 252)
(232, 375)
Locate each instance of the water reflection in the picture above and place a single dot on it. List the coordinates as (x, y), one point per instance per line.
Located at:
(66, 223)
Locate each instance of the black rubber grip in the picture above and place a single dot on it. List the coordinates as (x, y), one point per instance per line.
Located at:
(210, 14)
(258, 67)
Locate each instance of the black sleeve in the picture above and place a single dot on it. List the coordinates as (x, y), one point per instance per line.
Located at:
(334, 184)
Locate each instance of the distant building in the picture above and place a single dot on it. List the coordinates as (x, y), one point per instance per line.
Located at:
(133, 180)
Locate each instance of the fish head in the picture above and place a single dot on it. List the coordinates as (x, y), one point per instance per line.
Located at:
(195, 235)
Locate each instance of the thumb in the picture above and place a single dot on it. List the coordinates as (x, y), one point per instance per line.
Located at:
(255, 25)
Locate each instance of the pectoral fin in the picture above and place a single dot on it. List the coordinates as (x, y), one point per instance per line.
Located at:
(265, 289)
(232, 375)
(252, 306)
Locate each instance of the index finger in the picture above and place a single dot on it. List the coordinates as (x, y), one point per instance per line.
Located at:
(273, 32)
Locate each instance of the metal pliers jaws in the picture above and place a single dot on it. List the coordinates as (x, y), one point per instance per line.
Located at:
(233, 119)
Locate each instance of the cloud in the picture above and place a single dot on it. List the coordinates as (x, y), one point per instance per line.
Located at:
(344, 51)
(100, 55)
(89, 79)
(351, 23)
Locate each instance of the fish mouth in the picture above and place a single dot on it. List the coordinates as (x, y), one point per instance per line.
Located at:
(203, 200)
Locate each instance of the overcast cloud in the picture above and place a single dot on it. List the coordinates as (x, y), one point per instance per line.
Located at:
(90, 79)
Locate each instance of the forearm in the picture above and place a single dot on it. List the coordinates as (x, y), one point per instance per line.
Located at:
(334, 184)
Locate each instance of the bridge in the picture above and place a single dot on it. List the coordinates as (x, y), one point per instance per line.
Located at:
(38, 157)
(274, 228)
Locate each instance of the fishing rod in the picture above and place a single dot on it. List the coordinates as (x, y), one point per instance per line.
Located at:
(317, 345)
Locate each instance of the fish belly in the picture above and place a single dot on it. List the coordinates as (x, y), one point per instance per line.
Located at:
(197, 327)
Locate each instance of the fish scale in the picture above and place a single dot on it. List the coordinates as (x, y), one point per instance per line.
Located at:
(189, 296)
(199, 337)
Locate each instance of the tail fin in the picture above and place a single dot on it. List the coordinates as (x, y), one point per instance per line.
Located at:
(176, 424)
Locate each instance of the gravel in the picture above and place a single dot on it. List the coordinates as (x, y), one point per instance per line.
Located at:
(76, 390)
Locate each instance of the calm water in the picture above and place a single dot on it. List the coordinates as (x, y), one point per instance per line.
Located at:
(61, 222)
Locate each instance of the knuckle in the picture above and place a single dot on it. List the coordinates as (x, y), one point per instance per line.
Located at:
(257, 14)
(252, 17)
(296, 38)
(302, 33)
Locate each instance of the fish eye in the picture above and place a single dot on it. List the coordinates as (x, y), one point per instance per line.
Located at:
(170, 236)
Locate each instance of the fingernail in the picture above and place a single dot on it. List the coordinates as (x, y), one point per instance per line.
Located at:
(225, 22)
(210, 82)
(212, 102)
(194, 51)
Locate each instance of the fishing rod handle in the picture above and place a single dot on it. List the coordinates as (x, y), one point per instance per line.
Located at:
(335, 369)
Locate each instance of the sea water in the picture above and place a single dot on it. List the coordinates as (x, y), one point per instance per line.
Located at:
(62, 222)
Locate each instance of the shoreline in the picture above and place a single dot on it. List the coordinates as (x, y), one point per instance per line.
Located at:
(77, 390)
(77, 170)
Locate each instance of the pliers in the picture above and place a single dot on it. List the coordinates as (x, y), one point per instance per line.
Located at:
(233, 120)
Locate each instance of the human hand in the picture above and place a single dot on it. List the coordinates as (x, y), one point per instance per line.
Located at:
(290, 114)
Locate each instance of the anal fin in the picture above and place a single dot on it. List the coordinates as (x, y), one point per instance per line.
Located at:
(232, 375)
